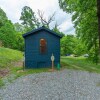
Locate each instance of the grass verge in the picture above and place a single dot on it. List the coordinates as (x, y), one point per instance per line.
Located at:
(1, 82)
(79, 63)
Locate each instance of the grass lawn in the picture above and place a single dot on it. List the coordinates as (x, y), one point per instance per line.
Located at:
(79, 63)
(7, 56)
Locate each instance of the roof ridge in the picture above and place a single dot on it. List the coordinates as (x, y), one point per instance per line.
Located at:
(40, 28)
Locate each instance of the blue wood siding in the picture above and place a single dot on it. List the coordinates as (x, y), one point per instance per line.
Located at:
(33, 58)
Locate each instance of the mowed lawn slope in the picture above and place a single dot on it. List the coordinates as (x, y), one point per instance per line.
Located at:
(80, 63)
(7, 56)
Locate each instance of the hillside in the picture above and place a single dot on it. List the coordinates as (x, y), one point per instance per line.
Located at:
(8, 57)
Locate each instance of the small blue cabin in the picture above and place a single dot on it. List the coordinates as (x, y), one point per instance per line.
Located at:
(39, 46)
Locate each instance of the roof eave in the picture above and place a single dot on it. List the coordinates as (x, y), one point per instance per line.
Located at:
(41, 28)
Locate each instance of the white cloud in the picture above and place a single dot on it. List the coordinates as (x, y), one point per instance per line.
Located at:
(67, 27)
(13, 10)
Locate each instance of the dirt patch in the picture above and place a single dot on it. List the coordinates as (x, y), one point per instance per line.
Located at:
(4, 72)
(17, 63)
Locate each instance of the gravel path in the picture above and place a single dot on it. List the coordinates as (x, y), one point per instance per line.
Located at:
(60, 85)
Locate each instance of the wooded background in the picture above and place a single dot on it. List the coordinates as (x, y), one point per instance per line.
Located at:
(86, 20)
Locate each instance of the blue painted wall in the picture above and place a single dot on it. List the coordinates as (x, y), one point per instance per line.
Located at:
(33, 57)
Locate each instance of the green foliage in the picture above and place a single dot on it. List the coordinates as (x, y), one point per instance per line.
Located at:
(55, 29)
(19, 27)
(8, 34)
(19, 42)
(72, 45)
(3, 17)
(67, 45)
(80, 47)
(29, 19)
(84, 17)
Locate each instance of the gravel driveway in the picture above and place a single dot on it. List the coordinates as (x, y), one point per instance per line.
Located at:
(60, 85)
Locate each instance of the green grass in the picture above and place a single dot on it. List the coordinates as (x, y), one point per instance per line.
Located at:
(1, 83)
(20, 72)
(79, 63)
(8, 55)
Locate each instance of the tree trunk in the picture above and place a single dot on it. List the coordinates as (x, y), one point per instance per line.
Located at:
(98, 14)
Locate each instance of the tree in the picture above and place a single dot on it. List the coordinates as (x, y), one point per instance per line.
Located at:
(55, 29)
(98, 14)
(67, 45)
(19, 27)
(84, 17)
(44, 21)
(70, 44)
(8, 34)
(19, 39)
(29, 19)
(3, 17)
(19, 42)
(80, 48)
(6, 30)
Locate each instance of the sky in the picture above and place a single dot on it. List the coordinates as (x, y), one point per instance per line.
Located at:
(13, 10)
